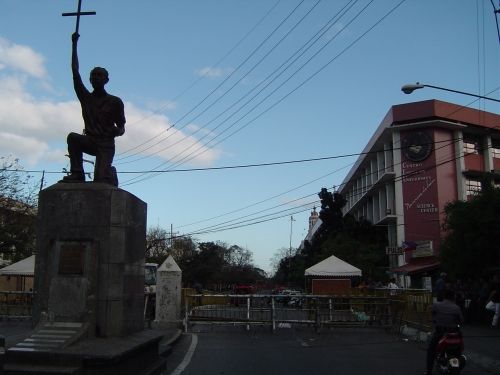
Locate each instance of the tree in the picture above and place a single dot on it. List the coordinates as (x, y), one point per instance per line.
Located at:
(331, 213)
(219, 266)
(471, 246)
(289, 267)
(157, 245)
(18, 198)
(357, 242)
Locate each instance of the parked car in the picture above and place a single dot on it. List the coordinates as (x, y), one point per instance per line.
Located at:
(286, 296)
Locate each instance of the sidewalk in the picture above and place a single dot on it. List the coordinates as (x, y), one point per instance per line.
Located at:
(14, 332)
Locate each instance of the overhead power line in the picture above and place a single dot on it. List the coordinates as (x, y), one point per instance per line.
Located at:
(268, 80)
(138, 179)
(238, 223)
(233, 72)
(304, 48)
(215, 101)
(355, 192)
(240, 166)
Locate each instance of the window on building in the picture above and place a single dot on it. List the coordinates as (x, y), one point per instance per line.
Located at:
(473, 186)
(495, 148)
(472, 145)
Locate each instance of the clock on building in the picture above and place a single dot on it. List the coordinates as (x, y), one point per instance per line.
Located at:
(417, 146)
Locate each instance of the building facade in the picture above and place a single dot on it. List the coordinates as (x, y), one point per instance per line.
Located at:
(422, 156)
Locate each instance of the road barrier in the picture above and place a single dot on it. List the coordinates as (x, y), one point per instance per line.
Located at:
(374, 308)
(16, 305)
(276, 310)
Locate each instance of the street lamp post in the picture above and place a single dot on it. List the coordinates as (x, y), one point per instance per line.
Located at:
(409, 88)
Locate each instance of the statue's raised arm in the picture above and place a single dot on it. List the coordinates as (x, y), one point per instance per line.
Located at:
(75, 66)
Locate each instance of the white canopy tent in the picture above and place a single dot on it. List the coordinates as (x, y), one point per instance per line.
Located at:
(25, 267)
(332, 266)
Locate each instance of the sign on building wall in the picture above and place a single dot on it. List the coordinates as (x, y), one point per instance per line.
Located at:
(393, 250)
(420, 192)
(423, 249)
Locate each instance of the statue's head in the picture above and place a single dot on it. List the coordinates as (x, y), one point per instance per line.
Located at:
(99, 77)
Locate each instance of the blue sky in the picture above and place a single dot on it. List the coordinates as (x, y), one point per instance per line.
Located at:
(200, 90)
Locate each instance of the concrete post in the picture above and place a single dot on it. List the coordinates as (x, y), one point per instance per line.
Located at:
(168, 293)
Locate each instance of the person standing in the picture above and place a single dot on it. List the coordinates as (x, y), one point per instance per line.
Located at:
(440, 286)
(495, 298)
(392, 286)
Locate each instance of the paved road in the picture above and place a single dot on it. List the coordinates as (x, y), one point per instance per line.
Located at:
(232, 350)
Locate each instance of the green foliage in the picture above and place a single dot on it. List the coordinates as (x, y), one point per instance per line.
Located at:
(157, 245)
(357, 242)
(18, 197)
(472, 244)
(210, 264)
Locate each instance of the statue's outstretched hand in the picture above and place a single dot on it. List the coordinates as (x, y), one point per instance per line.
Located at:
(75, 37)
(119, 131)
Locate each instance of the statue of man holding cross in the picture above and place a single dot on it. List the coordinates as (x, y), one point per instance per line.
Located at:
(104, 119)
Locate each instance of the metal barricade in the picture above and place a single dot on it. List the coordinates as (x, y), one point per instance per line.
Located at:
(16, 305)
(277, 311)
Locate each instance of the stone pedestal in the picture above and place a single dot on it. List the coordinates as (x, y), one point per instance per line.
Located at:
(168, 293)
(90, 258)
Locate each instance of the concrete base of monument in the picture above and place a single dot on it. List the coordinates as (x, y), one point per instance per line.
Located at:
(156, 324)
(89, 268)
(138, 353)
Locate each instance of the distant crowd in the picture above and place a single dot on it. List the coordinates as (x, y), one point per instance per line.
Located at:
(471, 295)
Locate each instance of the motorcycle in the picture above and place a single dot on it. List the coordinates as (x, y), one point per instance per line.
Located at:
(449, 353)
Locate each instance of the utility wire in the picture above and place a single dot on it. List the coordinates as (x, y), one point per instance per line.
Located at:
(295, 89)
(138, 179)
(496, 12)
(346, 196)
(240, 166)
(210, 105)
(195, 82)
(285, 65)
(271, 198)
(246, 225)
(377, 172)
(233, 72)
(223, 225)
(261, 219)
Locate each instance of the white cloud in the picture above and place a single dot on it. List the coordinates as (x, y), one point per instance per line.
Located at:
(35, 130)
(21, 58)
(210, 72)
(161, 105)
(158, 138)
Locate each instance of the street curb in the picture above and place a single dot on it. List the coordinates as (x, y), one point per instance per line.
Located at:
(173, 340)
(165, 347)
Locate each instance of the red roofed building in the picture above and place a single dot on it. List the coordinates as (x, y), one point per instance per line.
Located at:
(422, 156)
